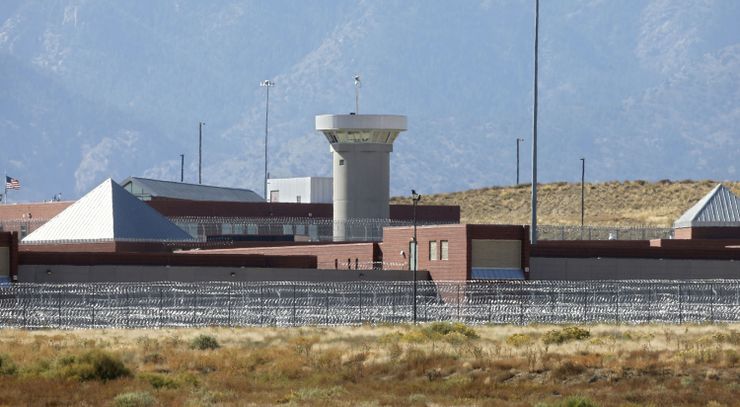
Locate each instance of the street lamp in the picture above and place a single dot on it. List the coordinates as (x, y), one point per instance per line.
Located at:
(182, 167)
(518, 140)
(415, 198)
(267, 84)
(358, 85)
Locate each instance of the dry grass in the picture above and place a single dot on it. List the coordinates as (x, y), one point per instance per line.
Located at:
(628, 203)
(395, 365)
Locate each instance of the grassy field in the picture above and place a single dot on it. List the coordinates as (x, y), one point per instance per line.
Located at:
(628, 203)
(396, 365)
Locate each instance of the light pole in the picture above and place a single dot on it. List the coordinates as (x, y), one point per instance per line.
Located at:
(583, 178)
(533, 230)
(200, 150)
(267, 84)
(415, 198)
(358, 85)
(518, 140)
(182, 167)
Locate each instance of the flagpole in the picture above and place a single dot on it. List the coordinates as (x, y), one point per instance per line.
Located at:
(5, 193)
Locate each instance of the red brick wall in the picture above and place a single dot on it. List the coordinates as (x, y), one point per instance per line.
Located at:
(360, 255)
(41, 210)
(457, 267)
(172, 259)
(707, 233)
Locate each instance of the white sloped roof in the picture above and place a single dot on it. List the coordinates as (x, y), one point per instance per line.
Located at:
(720, 207)
(107, 213)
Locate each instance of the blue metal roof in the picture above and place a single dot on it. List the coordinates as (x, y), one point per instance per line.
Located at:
(720, 207)
(193, 192)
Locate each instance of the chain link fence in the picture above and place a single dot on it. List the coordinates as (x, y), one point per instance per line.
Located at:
(170, 304)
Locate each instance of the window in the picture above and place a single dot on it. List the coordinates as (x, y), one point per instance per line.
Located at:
(275, 196)
(433, 250)
(298, 199)
(444, 249)
(341, 162)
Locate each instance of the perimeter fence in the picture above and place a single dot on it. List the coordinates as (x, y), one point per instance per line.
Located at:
(170, 304)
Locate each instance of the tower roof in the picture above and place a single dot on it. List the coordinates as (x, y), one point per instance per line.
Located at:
(107, 213)
(720, 207)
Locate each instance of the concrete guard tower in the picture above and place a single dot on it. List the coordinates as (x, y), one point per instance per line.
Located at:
(361, 146)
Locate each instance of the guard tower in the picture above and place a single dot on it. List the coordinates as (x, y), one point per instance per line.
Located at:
(360, 146)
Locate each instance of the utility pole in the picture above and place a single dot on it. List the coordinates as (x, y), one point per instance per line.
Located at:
(182, 167)
(358, 85)
(518, 140)
(583, 201)
(415, 198)
(200, 150)
(533, 228)
(267, 84)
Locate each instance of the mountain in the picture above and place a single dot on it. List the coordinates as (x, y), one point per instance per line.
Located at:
(90, 90)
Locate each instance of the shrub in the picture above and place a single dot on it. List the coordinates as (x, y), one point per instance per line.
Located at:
(571, 333)
(567, 369)
(7, 367)
(519, 340)
(159, 381)
(572, 401)
(440, 329)
(92, 365)
(134, 399)
(204, 342)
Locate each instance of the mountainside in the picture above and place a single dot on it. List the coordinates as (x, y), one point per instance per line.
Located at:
(88, 90)
(627, 203)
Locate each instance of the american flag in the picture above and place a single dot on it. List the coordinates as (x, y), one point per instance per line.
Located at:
(12, 183)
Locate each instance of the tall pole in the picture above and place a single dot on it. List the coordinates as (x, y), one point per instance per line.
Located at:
(358, 85)
(182, 167)
(533, 229)
(583, 201)
(200, 151)
(415, 198)
(267, 84)
(518, 140)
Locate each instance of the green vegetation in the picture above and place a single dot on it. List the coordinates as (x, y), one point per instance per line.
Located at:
(567, 334)
(204, 342)
(444, 363)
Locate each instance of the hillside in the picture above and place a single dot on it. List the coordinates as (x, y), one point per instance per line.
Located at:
(627, 203)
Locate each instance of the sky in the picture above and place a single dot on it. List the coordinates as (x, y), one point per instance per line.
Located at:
(97, 89)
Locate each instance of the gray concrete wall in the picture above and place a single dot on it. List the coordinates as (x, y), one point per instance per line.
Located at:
(551, 268)
(361, 183)
(109, 273)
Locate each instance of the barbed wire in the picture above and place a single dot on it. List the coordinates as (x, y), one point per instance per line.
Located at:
(285, 303)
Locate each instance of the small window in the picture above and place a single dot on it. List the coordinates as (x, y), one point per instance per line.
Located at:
(275, 196)
(444, 249)
(433, 250)
(298, 199)
(412, 256)
(341, 162)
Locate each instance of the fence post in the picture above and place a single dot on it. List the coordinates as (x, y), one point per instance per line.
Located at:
(25, 320)
(228, 305)
(680, 303)
(458, 302)
(195, 304)
(59, 308)
(521, 305)
(585, 302)
(161, 303)
(92, 306)
(619, 287)
(294, 317)
(326, 306)
(128, 306)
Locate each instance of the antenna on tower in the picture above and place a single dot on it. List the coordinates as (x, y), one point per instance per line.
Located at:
(358, 85)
